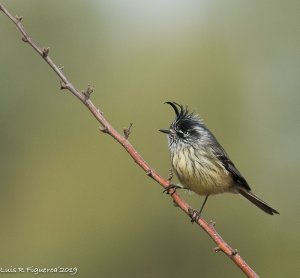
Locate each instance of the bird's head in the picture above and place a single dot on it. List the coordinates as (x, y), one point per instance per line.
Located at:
(187, 127)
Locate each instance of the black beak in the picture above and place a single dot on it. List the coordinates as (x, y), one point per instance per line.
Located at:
(167, 131)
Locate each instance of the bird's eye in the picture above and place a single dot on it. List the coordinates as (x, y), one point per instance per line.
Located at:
(183, 134)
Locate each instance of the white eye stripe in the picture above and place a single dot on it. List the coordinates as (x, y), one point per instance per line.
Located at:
(184, 133)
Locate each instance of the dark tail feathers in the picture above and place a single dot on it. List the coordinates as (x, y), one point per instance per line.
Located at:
(258, 202)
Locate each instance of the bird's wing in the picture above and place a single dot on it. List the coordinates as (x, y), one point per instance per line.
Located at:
(230, 167)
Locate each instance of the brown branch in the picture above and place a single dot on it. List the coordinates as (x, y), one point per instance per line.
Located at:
(84, 97)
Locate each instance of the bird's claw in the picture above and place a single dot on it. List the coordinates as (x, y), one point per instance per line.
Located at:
(171, 189)
(195, 215)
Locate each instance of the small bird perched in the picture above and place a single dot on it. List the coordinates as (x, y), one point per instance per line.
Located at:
(200, 162)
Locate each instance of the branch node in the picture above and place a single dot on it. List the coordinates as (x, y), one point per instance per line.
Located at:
(18, 18)
(149, 173)
(24, 39)
(104, 129)
(87, 93)
(45, 51)
(217, 249)
(63, 85)
(127, 131)
(234, 252)
(212, 223)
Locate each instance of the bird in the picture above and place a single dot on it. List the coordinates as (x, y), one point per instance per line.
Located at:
(201, 163)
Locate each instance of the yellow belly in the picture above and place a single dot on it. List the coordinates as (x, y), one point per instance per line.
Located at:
(201, 173)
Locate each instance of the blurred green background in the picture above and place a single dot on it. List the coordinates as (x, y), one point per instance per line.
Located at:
(71, 196)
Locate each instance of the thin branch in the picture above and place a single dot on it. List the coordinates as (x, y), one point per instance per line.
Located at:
(84, 97)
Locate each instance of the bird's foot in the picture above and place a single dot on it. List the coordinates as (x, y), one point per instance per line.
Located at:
(194, 214)
(171, 189)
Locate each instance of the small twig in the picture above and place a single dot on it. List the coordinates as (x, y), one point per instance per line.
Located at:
(234, 252)
(127, 131)
(87, 93)
(212, 223)
(217, 249)
(19, 18)
(45, 51)
(62, 85)
(61, 67)
(104, 129)
(107, 128)
(149, 173)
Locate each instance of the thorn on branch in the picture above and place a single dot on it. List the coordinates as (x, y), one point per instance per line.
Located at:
(127, 131)
(217, 249)
(61, 67)
(104, 129)
(149, 173)
(45, 51)
(24, 39)
(87, 93)
(63, 86)
(212, 223)
(18, 18)
(234, 252)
